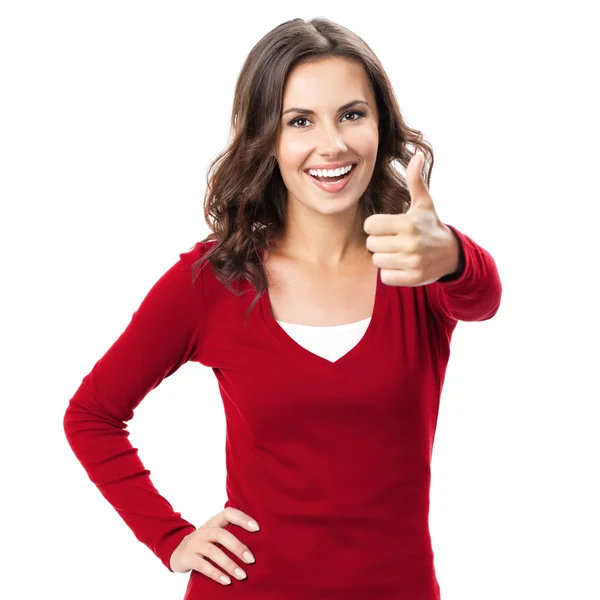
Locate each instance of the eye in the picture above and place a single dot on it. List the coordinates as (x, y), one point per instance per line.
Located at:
(360, 114)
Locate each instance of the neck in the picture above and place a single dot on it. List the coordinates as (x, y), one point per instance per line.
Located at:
(327, 242)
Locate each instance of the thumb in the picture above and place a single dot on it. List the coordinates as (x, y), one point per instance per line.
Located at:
(420, 198)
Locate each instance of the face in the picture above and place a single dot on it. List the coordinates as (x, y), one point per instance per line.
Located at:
(330, 134)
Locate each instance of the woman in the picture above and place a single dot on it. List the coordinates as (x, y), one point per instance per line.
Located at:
(331, 387)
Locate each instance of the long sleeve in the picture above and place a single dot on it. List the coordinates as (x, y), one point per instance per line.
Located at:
(473, 294)
(161, 336)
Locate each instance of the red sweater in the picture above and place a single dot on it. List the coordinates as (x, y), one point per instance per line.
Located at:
(331, 458)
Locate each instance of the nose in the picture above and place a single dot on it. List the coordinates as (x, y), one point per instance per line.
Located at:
(332, 142)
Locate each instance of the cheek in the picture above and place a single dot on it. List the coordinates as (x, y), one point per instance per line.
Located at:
(292, 148)
(365, 143)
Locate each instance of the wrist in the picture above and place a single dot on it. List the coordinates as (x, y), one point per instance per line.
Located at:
(456, 257)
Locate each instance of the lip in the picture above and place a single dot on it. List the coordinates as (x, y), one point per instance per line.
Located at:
(333, 188)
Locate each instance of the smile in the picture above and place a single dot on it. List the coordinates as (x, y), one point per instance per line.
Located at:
(333, 186)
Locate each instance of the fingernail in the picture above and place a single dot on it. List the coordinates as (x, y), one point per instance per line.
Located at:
(240, 574)
(253, 525)
(248, 557)
(225, 579)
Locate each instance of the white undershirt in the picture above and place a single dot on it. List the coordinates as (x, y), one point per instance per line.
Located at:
(331, 342)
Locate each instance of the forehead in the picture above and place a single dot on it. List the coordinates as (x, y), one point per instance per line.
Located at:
(325, 81)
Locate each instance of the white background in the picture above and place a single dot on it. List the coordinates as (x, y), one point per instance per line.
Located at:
(109, 115)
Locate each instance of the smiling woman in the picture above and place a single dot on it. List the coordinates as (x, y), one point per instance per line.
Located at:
(310, 98)
(331, 388)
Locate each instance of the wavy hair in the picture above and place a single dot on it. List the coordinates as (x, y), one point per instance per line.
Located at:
(245, 204)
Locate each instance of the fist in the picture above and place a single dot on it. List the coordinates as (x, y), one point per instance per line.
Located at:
(414, 248)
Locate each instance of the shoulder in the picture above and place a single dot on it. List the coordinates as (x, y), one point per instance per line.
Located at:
(189, 258)
(179, 282)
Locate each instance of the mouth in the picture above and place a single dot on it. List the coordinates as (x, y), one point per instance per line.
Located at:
(333, 184)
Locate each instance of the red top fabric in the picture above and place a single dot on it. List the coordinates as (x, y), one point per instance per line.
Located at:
(331, 458)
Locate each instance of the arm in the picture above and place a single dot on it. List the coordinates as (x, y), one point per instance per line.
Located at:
(161, 336)
(473, 291)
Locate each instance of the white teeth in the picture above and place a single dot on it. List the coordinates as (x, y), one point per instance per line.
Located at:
(330, 172)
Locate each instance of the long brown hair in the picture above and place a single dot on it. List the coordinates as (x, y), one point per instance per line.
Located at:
(246, 199)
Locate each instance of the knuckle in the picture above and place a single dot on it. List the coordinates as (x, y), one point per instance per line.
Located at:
(203, 566)
(417, 262)
(209, 550)
(213, 571)
(413, 225)
(411, 245)
(222, 535)
(387, 276)
(209, 569)
(416, 280)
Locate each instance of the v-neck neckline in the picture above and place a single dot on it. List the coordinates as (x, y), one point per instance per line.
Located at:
(293, 346)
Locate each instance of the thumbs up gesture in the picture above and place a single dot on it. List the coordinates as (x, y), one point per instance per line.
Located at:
(414, 248)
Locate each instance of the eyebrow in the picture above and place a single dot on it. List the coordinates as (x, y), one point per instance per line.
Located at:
(307, 111)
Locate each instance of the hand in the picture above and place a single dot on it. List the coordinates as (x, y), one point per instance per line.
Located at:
(414, 248)
(186, 556)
